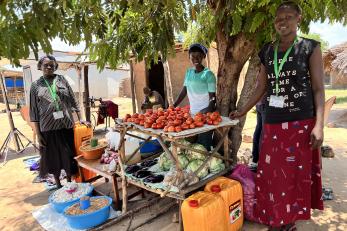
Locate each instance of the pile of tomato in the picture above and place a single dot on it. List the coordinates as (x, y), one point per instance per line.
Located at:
(173, 119)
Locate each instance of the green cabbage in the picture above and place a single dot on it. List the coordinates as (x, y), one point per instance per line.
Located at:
(183, 160)
(165, 162)
(195, 164)
(196, 155)
(216, 165)
(181, 150)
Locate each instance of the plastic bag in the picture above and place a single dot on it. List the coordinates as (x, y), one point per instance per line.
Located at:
(246, 177)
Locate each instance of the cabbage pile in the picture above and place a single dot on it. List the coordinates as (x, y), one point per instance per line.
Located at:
(191, 160)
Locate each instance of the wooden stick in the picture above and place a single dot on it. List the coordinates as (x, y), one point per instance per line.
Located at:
(137, 149)
(158, 214)
(186, 181)
(126, 215)
(203, 152)
(124, 187)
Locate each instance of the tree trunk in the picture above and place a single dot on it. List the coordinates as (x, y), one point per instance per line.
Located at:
(247, 90)
(233, 53)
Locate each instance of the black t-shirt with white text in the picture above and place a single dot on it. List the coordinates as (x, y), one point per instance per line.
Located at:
(294, 82)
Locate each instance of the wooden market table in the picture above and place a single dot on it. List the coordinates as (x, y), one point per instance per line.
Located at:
(96, 167)
(127, 129)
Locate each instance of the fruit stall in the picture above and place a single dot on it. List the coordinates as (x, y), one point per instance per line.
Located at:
(182, 167)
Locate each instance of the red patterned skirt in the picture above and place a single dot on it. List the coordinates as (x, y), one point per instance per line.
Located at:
(288, 180)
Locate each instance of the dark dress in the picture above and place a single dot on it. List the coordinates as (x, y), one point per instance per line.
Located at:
(58, 133)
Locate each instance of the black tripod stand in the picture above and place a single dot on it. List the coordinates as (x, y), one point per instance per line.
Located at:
(14, 135)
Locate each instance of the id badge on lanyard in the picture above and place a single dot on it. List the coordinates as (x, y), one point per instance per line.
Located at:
(276, 100)
(58, 114)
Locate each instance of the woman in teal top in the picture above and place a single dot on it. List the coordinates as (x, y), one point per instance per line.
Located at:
(200, 86)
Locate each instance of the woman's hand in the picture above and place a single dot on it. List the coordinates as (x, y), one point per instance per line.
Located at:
(316, 137)
(42, 141)
(86, 123)
(236, 114)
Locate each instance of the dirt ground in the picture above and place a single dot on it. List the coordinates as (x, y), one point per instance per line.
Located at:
(19, 196)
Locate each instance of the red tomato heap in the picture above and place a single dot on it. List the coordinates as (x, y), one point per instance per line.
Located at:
(173, 119)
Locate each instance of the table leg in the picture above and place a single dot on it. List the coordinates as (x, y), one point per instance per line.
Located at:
(180, 219)
(115, 191)
(80, 170)
(226, 147)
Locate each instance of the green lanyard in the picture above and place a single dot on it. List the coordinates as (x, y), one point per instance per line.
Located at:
(278, 69)
(53, 91)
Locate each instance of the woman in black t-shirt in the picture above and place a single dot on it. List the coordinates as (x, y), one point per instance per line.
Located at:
(52, 102)
(288, 180)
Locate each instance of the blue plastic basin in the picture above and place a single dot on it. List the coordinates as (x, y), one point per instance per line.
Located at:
(150, 147)
(59, 207)
(90, 220)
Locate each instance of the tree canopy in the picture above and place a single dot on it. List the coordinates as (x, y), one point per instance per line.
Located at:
(114, 30)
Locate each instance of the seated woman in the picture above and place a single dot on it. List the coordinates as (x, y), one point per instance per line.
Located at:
(153, 99)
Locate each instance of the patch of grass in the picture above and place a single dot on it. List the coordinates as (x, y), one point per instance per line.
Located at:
(341, 95)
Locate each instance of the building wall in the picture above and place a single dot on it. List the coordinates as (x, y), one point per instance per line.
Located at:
(140, 82)
(104, 84)
(338, 81)
(178, 65)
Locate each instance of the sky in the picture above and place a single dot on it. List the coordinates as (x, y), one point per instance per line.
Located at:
(332, 33)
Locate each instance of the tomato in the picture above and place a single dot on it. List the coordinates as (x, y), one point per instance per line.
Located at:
(216, 113)
(147, 125)
(177, 109)
(135, 115)
(160, 113)
(208, 114)
(149, 120)
(186, 115)
(127, 116)
(191, 126)
(154, 116)
(179, 117)
(171, 129)
(166, 128)
(142, 122)
(171, 123)
(213, 117)
(185, 126)
(219, 119)
(149, 111)
(178, 129)
(160, 125)
(215, 122)
(137, 121)
(129, 120)
(210, 122)
(177, 122)
(199, 124)
(154, 126)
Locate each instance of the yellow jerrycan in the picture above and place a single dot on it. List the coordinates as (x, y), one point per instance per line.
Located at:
(82, 133)
(204, 211)
(231, 192)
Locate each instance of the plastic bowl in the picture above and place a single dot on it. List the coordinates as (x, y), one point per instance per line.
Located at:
(60, 206)
(89, 220)
(93, 153)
